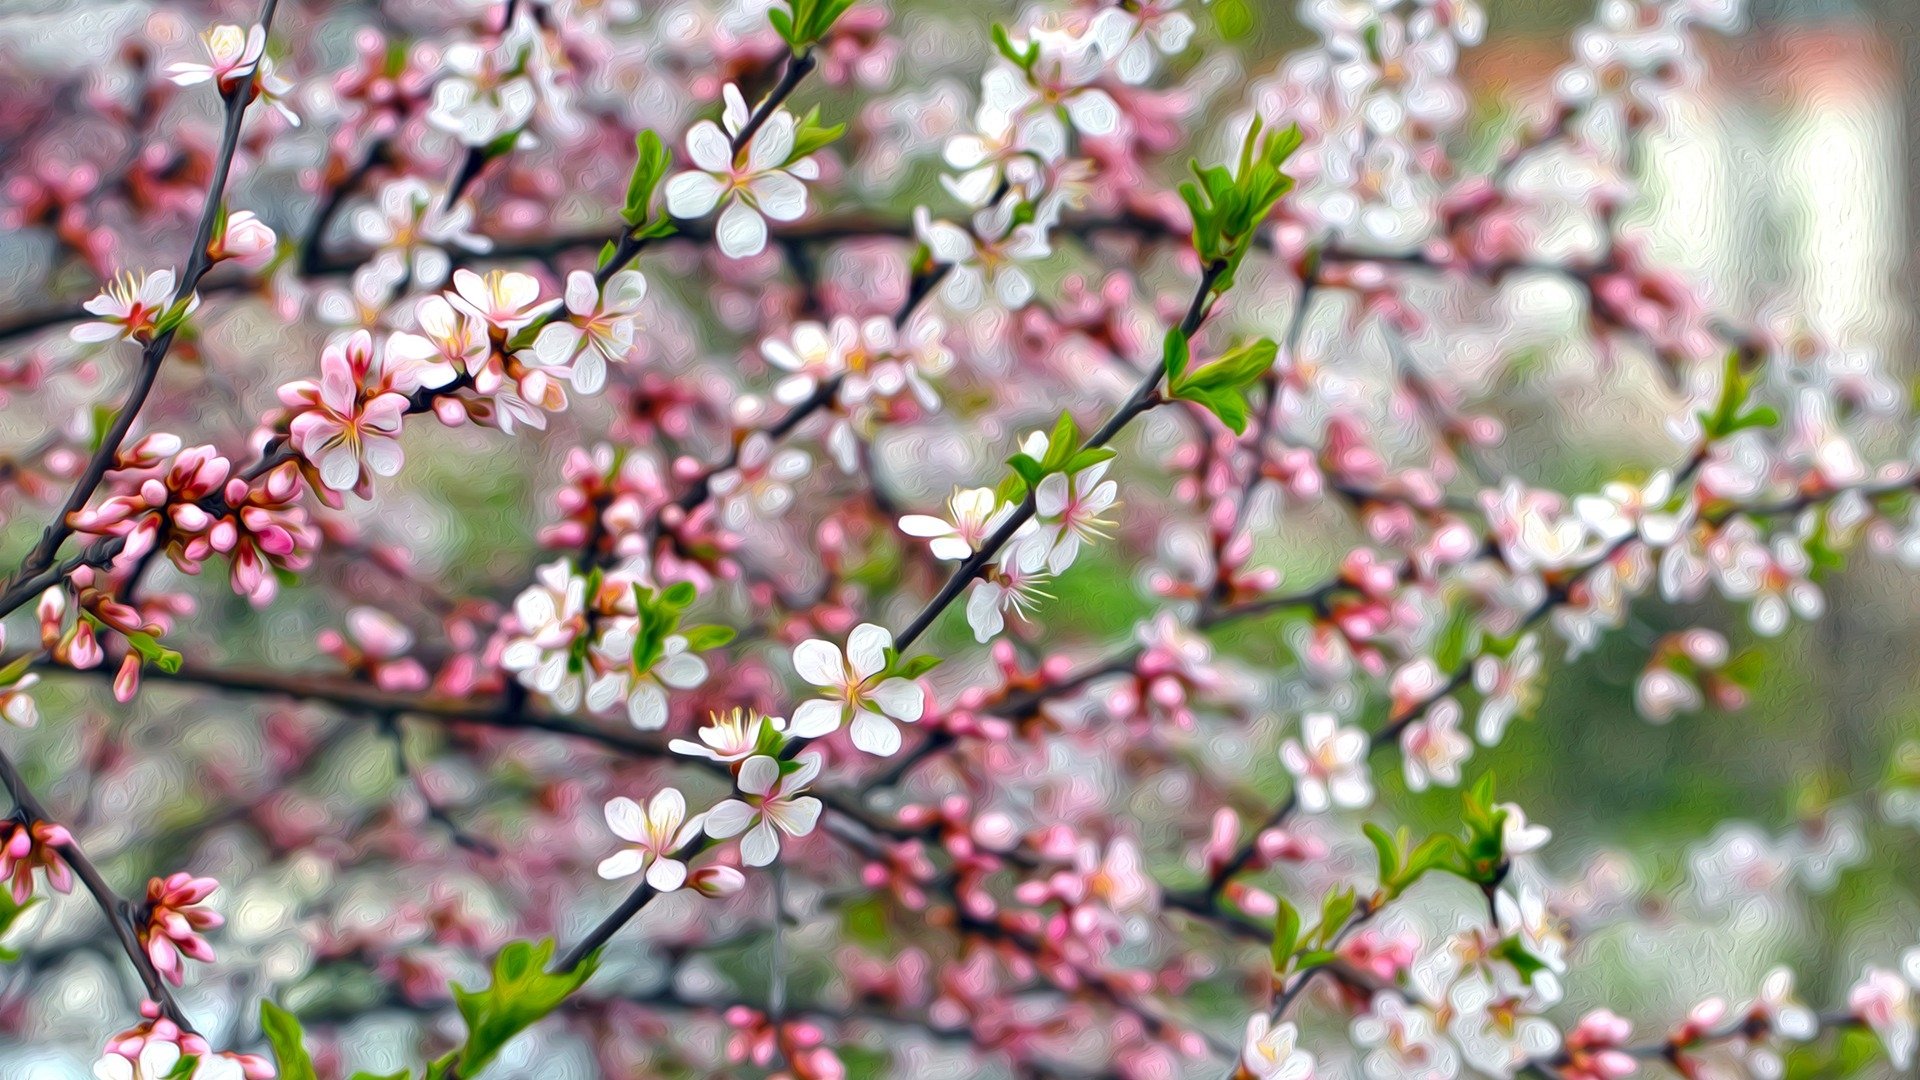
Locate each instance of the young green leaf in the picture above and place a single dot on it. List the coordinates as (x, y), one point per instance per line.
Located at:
(283, 1034)
(523, 992)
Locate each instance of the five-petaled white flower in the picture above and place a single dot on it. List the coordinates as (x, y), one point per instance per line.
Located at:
(1006, 586)
(860, 692)
(766, 182)
(129, 307)
(656, 832)
(774, 805)
(1329, 764)
(231, 51)
(506, 299)
(348, 431)
(677, 667)
(976, 514)
(598, 328)
(1272, 1051)
(729, 738)
(1068, 509)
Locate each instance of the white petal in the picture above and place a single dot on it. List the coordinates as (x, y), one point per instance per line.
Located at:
(709, 147)
(693, 194)
(626, 819)
(818, 662)
(902, 700)
(647, 706)
(780, 196)
(741, 231)
(760, 846)
(667, 875)
(623, 863)
(816, 718)
(875, 734)
(758, 774)
(729, 818)
(867, 650)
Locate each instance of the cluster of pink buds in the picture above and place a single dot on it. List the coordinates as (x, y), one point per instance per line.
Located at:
(26, 846)
(176, 913)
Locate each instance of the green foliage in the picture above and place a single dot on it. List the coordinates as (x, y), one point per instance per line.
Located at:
(10, 913)
(804, 22)
(652, 160)
(1734, 412)
(1402, 862)
(1020, 56)
(290, 1058)
(1229, 207)
(1482, 856)
(522, 993)
(1222, 385)
(1286, 938)
(810, 135)
(659, 613)
(1063, 454)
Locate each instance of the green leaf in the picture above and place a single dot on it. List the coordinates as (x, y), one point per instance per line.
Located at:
(152, 652)
(1286, 936)
(810, 135)
(401, 1075)
(702, 638)
(652, 160)
(1513, 952)
(283, 1033)
(680, 594)
(523, 992)
(10, 913)
(1174, 355)
(917, 666)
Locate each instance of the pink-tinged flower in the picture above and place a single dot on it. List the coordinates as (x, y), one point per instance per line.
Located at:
(1403, 1040)
(346, 431)
(155, 1060)
(1595, 1048)
(986, 261)
(1883, 1001)
(657, 832)
(1495, 1025)
(860, 690)
(452, 342)
(175, 916)
(245, 239)
(375, 646)
(130, 308)
(506, 300)
(766, 182)
(716, 881)
(814, 354)
(1517, 836)
(598, 329)
(552, 617)
(1067, 511)
(1329, 764)
(1272, 1052)
(232, 53)
(1006, 586)
(484, 95)
(25, 848)
(1432, 747)
(16, 705)
(976, 513)
(774, 804)
(729, 738)
(677, 667)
